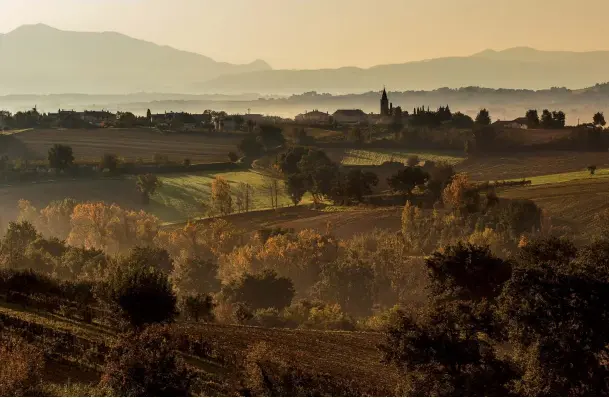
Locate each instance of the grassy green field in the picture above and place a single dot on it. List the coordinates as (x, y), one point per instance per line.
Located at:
(566, 177)
(357, 157)
(185, 194)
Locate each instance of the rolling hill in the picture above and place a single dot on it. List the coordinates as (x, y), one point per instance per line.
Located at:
(42, 59)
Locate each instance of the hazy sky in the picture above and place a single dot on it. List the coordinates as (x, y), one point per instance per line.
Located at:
(329, 33)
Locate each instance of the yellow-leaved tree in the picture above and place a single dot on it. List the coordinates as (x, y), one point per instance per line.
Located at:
(221, 199)
(111, 228)
(460, 193)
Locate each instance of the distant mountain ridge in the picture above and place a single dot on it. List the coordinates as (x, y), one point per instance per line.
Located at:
(514, 68)
(38, 59)
(42, 59)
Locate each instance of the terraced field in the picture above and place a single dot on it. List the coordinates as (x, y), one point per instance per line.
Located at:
(129, 144)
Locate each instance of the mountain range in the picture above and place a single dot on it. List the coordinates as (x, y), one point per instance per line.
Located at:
(515, 68)
(41, 59)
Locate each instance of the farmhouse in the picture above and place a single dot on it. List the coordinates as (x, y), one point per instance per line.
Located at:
(350, 116)
(97, 118)
(160, 119)
(520, 123)
(314, 117)
(228, 123)
(254, 117)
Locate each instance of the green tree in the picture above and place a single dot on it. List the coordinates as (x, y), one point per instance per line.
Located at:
(250, 146)
(147, 184)
(532, 118)
(467, 272)
(407, 179)
(126, 119)
(462, 121)
(554, 311)
(151, 257)
(599, 119)
(559, 119)
(271, 135)
(350, 284)
(233, 157)
(60, 157)
(192, 276)
(440, 353)
(547, 120)
(17, 238)
(359, 183)
(320, 173)
(296, 187)
(198, 307)
(143, 295)
(483, 118)
(262, 290)
(109, 161)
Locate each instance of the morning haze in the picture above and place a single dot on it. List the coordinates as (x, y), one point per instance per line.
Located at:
(268, 198)
(316, 34)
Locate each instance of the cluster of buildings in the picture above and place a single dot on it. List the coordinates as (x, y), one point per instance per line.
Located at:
(219, 121)
(387, 115)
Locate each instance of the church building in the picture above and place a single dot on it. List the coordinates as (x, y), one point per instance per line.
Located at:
(386, 107)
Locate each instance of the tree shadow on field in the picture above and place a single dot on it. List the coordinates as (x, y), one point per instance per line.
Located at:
(14, 148)
(173, 203)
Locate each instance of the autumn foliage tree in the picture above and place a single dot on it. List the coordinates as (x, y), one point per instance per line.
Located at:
(460, 193)
(221, 199)
(111, 228)
(22, 367)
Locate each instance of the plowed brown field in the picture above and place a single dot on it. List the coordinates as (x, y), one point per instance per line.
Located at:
(128, 143)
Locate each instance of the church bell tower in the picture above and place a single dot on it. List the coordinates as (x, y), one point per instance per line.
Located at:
(384, 103)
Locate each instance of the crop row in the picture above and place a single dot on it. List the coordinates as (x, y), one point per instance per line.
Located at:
(55, 343)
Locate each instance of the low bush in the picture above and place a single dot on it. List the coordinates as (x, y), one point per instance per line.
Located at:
(147, 364)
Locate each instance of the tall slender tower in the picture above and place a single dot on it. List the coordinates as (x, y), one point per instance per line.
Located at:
(384, 103)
